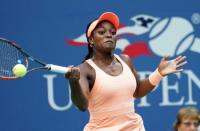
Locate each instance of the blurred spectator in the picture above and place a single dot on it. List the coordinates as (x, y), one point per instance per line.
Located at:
(187, 119)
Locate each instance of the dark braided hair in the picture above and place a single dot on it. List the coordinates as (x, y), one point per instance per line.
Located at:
(90, 50)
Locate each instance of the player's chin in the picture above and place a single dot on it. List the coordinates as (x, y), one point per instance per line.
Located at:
(110, 49)
(111, 46)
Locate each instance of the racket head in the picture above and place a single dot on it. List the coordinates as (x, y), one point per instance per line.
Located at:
(10, 55)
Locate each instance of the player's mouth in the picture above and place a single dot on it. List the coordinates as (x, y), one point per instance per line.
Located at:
(109, 42)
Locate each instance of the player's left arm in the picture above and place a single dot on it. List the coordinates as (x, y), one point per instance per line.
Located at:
(165, 67)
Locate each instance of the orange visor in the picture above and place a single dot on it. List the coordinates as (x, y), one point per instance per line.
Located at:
(109, 16)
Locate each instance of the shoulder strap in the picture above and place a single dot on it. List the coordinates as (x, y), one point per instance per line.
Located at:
(92, 64)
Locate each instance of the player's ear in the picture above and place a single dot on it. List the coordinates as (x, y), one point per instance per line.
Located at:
(91, 41)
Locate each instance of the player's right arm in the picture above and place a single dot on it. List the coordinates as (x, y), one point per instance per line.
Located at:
(79, 83)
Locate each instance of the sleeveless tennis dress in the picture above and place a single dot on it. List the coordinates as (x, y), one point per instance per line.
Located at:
(111, 104)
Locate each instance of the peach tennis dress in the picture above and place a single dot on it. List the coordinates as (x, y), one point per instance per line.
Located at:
(111, 105)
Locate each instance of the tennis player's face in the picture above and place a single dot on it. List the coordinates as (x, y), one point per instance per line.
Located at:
(188, 125)
(104, 37)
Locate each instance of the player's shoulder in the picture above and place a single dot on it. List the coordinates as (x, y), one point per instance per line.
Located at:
(86, 68)
(127, 60)
(125, 57)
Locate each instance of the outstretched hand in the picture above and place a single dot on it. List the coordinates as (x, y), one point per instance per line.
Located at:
(171, 66)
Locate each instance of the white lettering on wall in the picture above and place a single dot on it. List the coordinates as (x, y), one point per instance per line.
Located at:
(191, 78)
(50, 93)
(166, 87)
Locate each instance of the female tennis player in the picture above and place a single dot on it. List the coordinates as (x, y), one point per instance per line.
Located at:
(105, 84)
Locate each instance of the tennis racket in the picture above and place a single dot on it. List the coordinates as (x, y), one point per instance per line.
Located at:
(11, 54)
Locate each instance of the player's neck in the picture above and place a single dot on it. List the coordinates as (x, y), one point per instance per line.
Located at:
(104, 60)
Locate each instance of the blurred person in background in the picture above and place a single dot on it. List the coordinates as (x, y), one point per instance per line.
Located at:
(187, 119)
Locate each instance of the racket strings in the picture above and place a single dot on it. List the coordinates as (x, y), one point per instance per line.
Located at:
(10, 56)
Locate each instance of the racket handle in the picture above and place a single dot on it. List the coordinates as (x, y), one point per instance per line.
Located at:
(57, 69)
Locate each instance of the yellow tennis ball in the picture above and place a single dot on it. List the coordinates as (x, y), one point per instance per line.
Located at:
(19, 70)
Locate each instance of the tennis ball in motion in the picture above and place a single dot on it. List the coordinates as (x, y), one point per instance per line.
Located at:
(19, 70)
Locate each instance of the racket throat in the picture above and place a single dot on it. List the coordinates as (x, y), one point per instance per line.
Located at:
(57, 69)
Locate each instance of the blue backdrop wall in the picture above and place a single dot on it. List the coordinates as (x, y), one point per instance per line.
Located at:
(53, 30)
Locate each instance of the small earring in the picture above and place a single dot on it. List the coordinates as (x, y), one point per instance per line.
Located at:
(91, 45)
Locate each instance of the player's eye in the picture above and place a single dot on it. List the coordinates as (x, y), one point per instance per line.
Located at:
(101, 32)
(113, 32)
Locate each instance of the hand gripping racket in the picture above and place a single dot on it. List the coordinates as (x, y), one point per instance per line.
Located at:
(11, 54)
